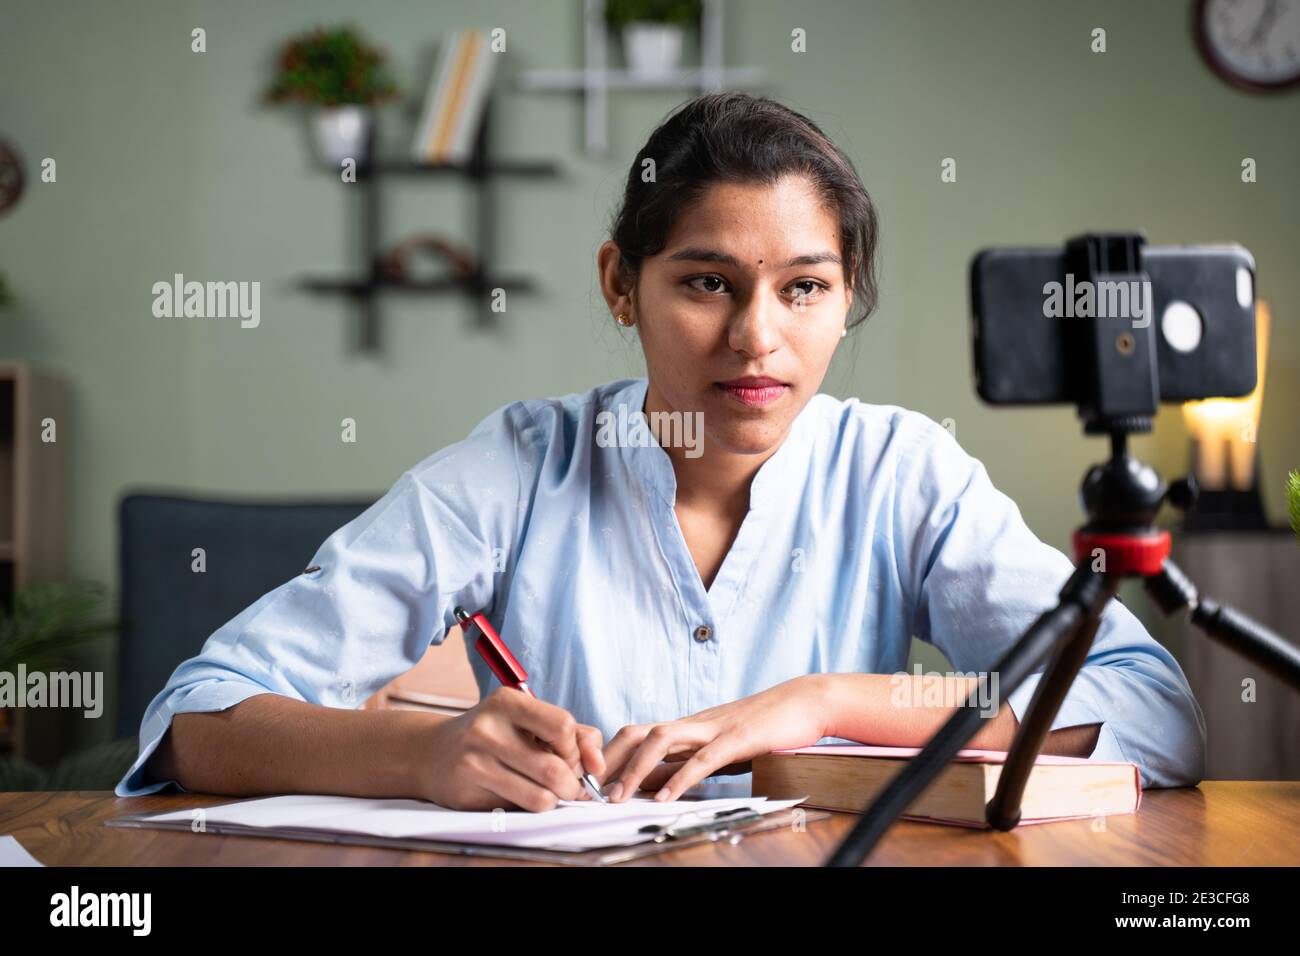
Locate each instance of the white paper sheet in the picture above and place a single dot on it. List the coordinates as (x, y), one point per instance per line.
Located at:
(573, 825)
(13, 853)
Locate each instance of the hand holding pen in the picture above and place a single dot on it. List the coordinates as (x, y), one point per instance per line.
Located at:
(508, 751)
(515, 746)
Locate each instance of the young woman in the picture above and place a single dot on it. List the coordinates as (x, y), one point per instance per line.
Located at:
(683, 603)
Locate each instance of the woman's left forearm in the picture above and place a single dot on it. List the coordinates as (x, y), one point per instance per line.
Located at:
(899, 710)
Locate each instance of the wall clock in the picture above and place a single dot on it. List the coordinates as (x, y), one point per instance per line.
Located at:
(1253, 44)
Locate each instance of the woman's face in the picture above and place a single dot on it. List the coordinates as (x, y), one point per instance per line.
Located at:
(749, 285)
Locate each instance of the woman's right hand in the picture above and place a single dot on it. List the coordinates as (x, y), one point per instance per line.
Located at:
(510, 750)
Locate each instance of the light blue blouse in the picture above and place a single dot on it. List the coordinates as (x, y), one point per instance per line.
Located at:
(867, 526)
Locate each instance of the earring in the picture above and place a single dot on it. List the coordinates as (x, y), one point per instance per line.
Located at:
(843, 332)
(623, 319)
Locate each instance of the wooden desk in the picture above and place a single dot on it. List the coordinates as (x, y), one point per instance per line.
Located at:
(1219, 823)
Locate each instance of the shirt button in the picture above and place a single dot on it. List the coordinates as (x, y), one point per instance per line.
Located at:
(703, 633)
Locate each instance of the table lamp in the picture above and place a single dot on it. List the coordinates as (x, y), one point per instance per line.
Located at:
(1225, 451)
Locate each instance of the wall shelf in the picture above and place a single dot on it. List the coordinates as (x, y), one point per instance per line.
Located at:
(400, 167)
(368, 286)
(596, 81)
(614, 80)
(482, 172)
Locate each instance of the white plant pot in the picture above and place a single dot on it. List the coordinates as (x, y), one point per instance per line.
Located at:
(652, 49)
(342, 132)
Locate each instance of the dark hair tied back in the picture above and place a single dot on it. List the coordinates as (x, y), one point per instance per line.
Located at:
(735, 137)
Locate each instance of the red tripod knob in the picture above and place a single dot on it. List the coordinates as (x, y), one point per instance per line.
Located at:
(1127, 554)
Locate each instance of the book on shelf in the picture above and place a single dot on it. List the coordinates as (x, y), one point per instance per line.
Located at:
(458, 94)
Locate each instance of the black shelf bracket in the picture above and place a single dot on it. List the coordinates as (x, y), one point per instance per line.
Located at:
(481, 171)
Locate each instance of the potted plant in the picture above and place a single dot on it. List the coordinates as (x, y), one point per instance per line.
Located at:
(1293, 501)
(336, 72)
(652, 32)
(48, 621)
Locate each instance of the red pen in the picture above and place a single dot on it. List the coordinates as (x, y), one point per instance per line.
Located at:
(509, 671)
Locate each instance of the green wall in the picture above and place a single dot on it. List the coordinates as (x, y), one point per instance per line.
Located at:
(168, 162)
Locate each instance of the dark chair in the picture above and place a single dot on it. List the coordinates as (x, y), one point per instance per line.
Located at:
(168, 610)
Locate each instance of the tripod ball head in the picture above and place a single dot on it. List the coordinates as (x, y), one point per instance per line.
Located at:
(1121, 494)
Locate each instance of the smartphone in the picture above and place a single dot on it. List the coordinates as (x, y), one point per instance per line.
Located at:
(1199, 309)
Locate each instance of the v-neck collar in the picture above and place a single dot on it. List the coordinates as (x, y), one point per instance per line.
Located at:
(770, 490)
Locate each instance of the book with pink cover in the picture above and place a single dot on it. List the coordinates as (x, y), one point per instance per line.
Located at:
(972, 757)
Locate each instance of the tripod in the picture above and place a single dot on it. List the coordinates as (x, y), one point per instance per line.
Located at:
(1124, 545)
(1121, 498)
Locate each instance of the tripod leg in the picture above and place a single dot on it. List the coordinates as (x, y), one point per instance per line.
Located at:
(1003, 811)
(1172, 590)
(1036, 646)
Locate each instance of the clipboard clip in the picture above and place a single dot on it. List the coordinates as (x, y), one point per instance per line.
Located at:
(717, 825)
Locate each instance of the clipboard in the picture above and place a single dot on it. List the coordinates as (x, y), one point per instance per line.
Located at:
(722, 831)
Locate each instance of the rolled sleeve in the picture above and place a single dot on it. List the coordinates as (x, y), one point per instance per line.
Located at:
(981, 578)
(215, 694)
(1077, 709)
(376, 594)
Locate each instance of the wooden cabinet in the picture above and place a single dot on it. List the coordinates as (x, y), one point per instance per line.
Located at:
(1252, 718)
(33, 532)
